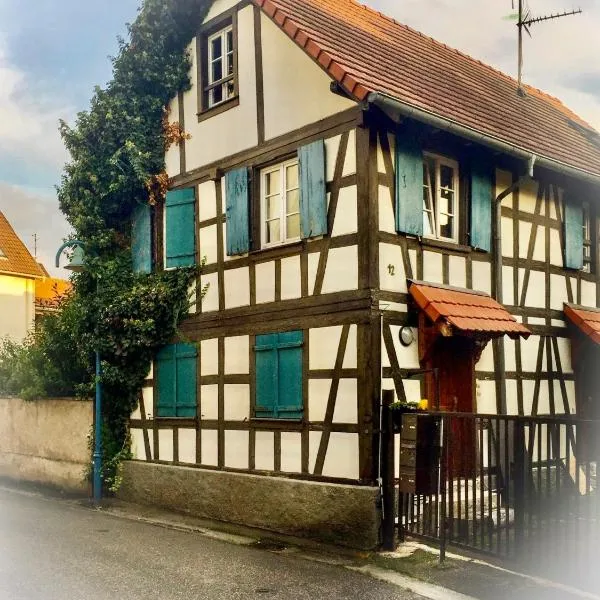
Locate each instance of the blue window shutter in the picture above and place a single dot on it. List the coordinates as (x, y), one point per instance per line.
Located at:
(481, 204)
(313, 196)
(180, 228)
(186, 358)
(167, 382)
(141, 239)
(290, 375)
(237, 207)
(573, 230)
(409, 184)
(266, 375)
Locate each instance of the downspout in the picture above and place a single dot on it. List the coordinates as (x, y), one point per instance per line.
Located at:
(499, 358)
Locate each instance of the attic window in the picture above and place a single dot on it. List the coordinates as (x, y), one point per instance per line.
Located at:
(2, 255)
(217, 61)
(590, 134)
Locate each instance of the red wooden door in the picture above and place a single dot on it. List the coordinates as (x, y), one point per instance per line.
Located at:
(455, 359)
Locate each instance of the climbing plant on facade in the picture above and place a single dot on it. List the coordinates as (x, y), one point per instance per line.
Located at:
(117, 150)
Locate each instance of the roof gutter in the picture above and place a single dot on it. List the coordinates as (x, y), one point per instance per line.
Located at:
(394, 108)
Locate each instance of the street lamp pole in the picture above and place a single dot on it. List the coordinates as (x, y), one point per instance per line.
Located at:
(77, 264)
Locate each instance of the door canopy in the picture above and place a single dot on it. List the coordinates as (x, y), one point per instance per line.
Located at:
(585, 319)
(456, 311)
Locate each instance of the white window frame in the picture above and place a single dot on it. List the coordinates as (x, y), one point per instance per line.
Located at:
(453, 164)
(283, 214)
(226, 78)
(588, 243)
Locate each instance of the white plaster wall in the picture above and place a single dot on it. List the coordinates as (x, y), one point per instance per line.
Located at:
(391, 268)
(290, 278)
(291, 452)
(172, 164)
(432, 267)
(209, 402)
(296, 90)
(237, 287)
(341, 459)
(17, 307)
(235, 129)
(346, 217)
(265, 282)
(341, 272)
(387, 220)
(187, 445)
(237, 402)
(236, 449)
(264, 451)
(207, 201)
(237, 354)
(165, 444)
(209, 357)
(323, 346)
(209, 447)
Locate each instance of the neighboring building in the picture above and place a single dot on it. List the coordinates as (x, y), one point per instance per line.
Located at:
(19, 273)
(346, 180)
(49, 291)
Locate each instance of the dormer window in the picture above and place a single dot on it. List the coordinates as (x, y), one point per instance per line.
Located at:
(217, 74)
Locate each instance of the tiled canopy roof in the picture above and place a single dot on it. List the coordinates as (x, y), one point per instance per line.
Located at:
(49, 291)
(471, 313)
(365, 51)
(587, 319)
(15, 259)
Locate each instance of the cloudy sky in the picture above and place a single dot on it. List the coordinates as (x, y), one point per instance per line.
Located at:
(53, 53)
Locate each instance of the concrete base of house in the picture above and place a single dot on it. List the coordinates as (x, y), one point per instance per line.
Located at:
(340, 514)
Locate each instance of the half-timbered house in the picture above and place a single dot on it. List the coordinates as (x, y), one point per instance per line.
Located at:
(367, 204)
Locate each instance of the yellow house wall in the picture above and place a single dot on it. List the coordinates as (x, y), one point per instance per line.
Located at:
(17, 306)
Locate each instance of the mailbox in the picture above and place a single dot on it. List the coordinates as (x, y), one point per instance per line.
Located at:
(419, 453)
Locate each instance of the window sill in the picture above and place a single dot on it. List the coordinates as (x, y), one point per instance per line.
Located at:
(275, 251)
(272, 420)
(218, 109)
(444, 245)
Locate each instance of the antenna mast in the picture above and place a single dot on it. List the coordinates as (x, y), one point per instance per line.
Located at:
(35, 241)
(525, 21)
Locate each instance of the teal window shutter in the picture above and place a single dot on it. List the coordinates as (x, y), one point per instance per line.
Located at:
(176, 378)
(237, 210)
(180, 228)
(409, 184)
(573, 233)
(313, 195)
(267, 385)
(481, 204)
(186, 362)
(279, 375)
(141, 239)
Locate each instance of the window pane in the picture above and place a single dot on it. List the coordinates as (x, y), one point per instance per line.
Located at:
(229, 41)
(293, 202)
(273, 234)
(272, 183)
(216, 95)
(446, 226)
(446, 202)
(293, 226)
(291, 176)
(217, 70)
(216, 48)
(230, 64)
(446, 177)
(273, 207)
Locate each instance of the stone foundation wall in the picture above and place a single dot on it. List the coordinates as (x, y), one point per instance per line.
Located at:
(340, 514)
(45, 441)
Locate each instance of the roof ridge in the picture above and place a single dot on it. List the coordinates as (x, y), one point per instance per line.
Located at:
(528, 86)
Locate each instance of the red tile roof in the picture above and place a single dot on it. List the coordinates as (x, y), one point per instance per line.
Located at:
(587, 319)
(15, 259)
(472, 313)
(365, 51)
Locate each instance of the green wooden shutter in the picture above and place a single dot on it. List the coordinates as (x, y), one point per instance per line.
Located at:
(409, 184)
(266, 375)
(237, 210)
(289, 346)
(141, 239)
(573, 233)
(180, 228)
(186, 359)
(167, 382)
(313, 196)
(481, 204)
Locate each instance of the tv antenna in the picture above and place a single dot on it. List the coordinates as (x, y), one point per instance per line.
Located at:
(524, 22)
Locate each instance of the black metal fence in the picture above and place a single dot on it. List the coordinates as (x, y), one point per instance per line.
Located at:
(519, 488)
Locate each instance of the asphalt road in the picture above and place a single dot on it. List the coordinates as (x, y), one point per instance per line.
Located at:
(52, 549)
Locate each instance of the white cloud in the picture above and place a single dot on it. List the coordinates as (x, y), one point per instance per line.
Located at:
(29, 121)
